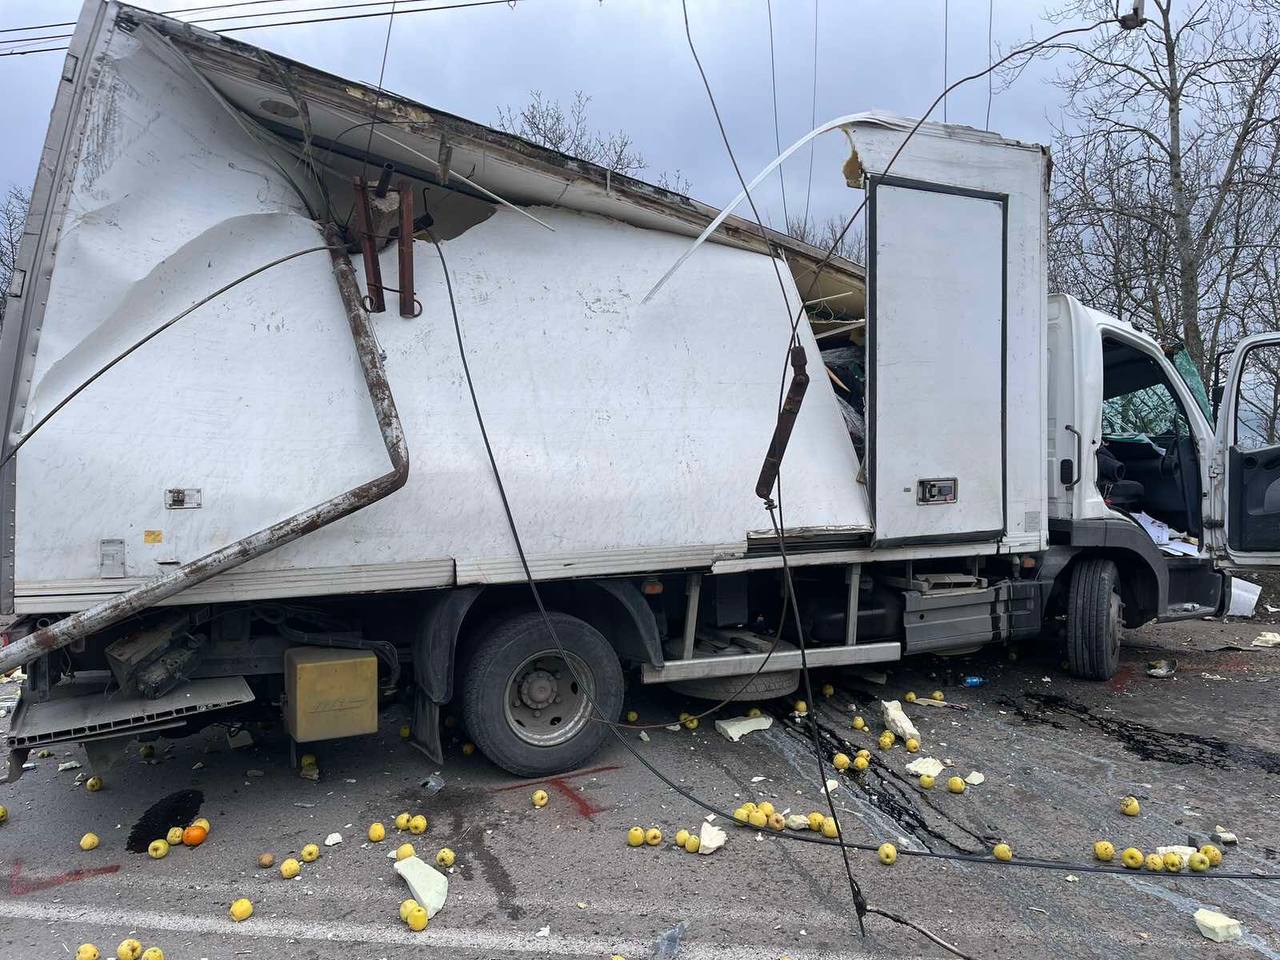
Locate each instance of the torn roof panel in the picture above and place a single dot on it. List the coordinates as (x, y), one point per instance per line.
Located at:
(412, 136)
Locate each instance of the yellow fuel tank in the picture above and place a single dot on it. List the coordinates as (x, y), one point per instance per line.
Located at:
(330, 693)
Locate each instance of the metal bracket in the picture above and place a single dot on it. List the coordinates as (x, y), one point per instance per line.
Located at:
(364, 233)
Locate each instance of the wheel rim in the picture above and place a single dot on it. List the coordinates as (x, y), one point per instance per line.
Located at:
(1115, 622)
(544, 703)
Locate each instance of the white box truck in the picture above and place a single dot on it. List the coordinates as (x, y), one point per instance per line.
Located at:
(218, 448)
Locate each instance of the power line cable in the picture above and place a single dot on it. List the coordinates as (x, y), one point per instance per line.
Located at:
(377, 99)
(84, 385)
(777, 137)
(813, 118)
(991, 7)
(946, 51)
(294, 23)
(855, 890)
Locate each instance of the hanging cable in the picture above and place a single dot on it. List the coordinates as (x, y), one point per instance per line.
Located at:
(377, 97)
(150, 336)
(855, 891)
(946, 51)
(283, 23)
(777, 137)
(813, 119)
(991, 6)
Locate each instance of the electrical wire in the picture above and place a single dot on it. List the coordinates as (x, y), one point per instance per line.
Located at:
(777, 137)
(373, 123)
(793, 836)
(813, 119)
(284, 23)
(946, 51)
(991, 10)
(151, 336)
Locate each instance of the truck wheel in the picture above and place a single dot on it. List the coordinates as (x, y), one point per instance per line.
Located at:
(1094, 620)
(526, 709)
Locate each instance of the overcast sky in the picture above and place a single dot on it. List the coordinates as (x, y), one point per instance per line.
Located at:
(631, 58)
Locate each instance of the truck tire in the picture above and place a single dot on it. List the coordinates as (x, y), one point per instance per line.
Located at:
(524, 707)
(1094, 620)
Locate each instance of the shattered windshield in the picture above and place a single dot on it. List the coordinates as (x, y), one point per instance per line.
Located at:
(1186, 368)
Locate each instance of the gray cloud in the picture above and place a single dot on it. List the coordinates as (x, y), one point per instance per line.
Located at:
(631, 57)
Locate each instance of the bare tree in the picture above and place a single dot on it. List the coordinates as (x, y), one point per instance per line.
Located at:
(13, 220)
(1167, 181)
(568, 130)
(823, 234)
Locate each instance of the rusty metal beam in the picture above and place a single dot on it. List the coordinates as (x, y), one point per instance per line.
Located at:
(364, 232)
(112, 611)
(408, 305)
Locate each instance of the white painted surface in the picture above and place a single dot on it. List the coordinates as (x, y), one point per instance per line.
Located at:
(629, 436)
(972, 159)
(937, 341)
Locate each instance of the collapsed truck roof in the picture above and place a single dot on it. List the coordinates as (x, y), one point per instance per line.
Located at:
(329, 117)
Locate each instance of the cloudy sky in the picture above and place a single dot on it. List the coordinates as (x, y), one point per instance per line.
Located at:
(631, 58)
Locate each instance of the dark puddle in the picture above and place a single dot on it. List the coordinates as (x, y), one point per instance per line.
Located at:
(1142, 740)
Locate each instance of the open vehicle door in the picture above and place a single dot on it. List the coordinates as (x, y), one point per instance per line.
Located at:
(1246, 466)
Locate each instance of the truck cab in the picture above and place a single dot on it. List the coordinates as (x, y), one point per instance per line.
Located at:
(1143, 483)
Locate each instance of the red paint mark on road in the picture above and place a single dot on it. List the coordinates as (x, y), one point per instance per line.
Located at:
(19, 887)
(1120, 682)
(583, 806)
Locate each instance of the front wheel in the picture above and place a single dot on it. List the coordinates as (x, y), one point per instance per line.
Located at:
(1095, 620)
(531, 704)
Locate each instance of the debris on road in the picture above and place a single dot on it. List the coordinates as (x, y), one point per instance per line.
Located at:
(333, 839)
(1222, 835)
(925, 765)
(240, 739)
(711, 838)
(428, 885)
(68, 765)
(432, 784)
(735, 728)
(667, 945)
(1181, 850)
(1162, 669)
(1218, 927)
(975, 779)
(897, 721)
(1268, 639)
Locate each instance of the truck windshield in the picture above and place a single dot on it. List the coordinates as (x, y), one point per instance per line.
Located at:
(1186, 368)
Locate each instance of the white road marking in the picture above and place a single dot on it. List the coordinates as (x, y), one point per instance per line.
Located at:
(445, 939)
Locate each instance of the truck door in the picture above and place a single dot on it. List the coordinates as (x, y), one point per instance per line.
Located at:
(1246, 469)
(936, 370)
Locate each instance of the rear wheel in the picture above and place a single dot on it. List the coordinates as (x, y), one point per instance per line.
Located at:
(530, 705)
(1095, 619)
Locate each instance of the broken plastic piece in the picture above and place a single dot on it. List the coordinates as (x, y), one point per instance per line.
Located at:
(710, 838)
(735, 728)
(429, 886)
(333, 839)
(975, 778)
(925, 765)
(897, 722)
(432, 785)
(1218, 927)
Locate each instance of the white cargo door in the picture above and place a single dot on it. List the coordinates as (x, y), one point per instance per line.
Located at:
(936, 389)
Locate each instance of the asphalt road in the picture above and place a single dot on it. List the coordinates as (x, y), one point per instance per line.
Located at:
(1198, 750)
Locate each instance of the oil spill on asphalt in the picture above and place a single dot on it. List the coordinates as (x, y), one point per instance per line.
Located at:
(1142, 740)
(896, 796)
(176, 810)
(462, 805)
